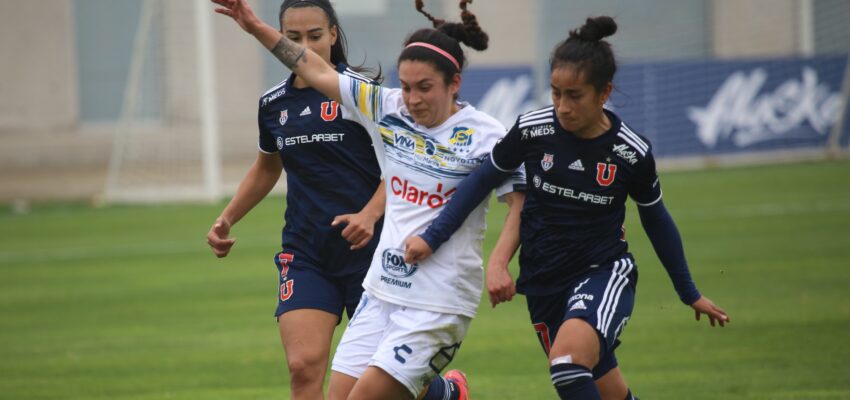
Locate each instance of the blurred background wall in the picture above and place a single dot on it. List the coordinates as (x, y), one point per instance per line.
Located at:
(98, 94)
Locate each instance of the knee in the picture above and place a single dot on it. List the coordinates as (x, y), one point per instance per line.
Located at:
(306, 371)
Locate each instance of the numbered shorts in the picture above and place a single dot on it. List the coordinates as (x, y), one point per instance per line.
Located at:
(604, 297)
(412, 345)
(300, 286)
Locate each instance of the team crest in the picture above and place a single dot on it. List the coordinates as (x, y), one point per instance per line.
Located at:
(284, 115)
(548, 161)
(605, 173)
(461, 139)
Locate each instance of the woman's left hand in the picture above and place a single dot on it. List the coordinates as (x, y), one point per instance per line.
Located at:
(715, 314)
(416, 249)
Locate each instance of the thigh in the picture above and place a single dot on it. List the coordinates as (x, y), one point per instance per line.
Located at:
(377, 384)
(418, 345)
(302, 287)
(306, 335)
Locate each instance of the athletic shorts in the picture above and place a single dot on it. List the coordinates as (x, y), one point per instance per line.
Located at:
(410, 344)
(604, 297)
(301, 286)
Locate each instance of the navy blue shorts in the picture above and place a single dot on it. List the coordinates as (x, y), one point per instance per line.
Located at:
(301, 286)
(604, 297)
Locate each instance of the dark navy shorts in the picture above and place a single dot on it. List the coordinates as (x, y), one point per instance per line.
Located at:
(604, 297)
(301, 286)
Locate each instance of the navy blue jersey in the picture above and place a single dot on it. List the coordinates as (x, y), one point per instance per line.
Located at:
(331, 170)
(574, 210)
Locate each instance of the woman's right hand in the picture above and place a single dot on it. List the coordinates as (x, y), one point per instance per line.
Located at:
(217, 237)
(241, 12)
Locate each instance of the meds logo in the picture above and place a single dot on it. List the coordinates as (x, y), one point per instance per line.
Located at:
(393, 263)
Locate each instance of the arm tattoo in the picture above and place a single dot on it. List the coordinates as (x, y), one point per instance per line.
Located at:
(289, 52)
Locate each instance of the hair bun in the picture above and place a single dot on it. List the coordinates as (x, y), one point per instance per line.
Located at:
(595, 29)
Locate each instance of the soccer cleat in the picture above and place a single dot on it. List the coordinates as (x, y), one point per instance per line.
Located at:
(458, 378)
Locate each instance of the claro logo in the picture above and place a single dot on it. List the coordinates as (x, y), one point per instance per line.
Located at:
(412, 194)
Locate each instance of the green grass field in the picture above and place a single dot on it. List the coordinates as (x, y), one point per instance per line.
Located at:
(129, 303)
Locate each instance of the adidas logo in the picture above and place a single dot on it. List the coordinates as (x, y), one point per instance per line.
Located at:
(576, 165)
(579, 305)
(306, 111)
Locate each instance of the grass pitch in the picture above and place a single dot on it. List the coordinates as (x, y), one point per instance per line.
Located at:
(129, 303)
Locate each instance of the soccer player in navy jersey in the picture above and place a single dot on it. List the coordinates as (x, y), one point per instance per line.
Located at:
(335, 199)
(582, 162)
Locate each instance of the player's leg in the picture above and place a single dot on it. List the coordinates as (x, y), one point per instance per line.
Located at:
(612, 386)
(453, 385)
(573, 355)
(377, 384)
(309, 308)
(597, 308)
(417, 346)
(306, 336)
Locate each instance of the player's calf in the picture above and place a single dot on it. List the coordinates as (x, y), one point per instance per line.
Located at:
(573, 381)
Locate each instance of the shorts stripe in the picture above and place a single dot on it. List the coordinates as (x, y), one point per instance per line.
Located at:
(610, 298)
(624, 282)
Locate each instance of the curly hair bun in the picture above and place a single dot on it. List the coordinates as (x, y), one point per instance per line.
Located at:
(595, 29)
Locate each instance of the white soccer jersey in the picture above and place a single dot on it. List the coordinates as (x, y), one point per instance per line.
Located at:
(422, 167)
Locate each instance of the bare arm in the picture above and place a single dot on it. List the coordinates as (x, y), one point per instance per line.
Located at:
(259, 181)
(500, 283)
(360, 227)
(304, 62)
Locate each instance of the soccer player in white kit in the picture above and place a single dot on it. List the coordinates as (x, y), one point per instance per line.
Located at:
(412, 317)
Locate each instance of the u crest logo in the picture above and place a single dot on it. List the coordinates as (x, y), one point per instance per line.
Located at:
(330, 110)
(605, 173)
(286, 289)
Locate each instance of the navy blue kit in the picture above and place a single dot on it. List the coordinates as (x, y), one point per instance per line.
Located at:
(331, 170)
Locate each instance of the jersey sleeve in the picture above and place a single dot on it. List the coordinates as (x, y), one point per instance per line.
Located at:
(507, 154)
(515, 183)
(371, 101)
(645, 189)
(266, 142)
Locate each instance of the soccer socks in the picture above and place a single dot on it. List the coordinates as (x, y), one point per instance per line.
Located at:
(630, 396)
(441, 389)
(574, 382)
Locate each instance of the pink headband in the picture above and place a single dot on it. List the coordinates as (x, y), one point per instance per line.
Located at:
(438, 50)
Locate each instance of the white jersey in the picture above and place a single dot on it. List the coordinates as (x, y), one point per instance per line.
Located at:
(422, 167)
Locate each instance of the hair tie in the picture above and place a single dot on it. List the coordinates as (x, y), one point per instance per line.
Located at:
(438, 50)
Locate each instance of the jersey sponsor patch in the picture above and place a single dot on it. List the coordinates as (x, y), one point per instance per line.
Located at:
(548, 161)
(392, 260)
(626, 153)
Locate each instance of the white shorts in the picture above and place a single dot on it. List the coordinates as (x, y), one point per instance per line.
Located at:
(412, 345)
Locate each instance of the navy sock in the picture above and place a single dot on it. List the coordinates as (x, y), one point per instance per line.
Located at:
(441, 389)
(574, 382)
(630, 396)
